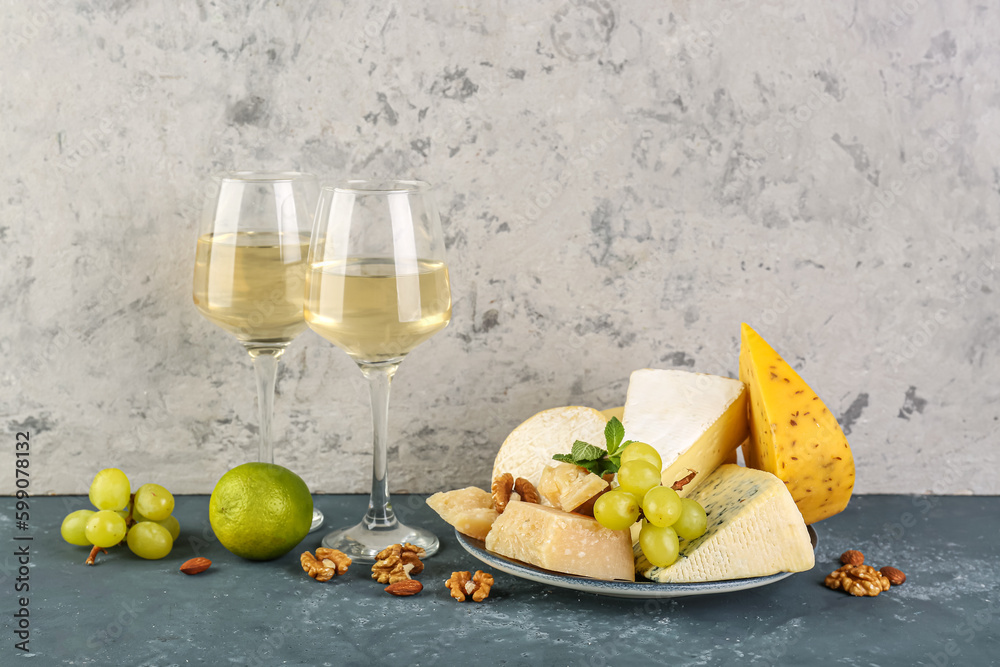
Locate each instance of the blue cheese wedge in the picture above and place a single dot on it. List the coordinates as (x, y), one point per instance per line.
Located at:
(754, 530)
(695, 421)
(562, 542)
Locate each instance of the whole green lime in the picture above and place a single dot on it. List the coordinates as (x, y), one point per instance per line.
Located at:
(260, 511)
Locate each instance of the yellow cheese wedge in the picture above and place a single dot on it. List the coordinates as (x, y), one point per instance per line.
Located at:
(695, 421)
(792, 434)
(754, 530)
(528, 450)
(469, 510)
(562, 542)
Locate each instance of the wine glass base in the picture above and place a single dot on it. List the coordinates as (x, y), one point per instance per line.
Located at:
(317, 521)
(362, 543)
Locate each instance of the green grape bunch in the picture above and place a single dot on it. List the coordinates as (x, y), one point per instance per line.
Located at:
(143, 520)
(640, 496)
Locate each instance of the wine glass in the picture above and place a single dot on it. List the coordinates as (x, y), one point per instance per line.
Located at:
(250, 269)
(376, 287)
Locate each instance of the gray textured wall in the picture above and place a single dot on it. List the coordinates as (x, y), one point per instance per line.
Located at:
(621, 183)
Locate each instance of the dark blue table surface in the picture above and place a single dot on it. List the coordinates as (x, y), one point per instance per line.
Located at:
(127, 611)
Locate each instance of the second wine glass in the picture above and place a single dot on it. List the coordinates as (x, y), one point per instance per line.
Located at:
(376, 287)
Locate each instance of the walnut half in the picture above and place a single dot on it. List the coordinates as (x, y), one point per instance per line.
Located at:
(397, 563)
(461, 584)
(326, 564)
(859, 580)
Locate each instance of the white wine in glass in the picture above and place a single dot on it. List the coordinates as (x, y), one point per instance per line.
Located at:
(249, 274)
(376, 287)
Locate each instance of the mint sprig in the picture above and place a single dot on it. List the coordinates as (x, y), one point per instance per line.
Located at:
(593, 458)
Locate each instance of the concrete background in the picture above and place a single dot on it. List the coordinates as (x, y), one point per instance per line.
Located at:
(621, 184)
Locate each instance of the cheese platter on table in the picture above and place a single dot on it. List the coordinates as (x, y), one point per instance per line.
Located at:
(664, 510)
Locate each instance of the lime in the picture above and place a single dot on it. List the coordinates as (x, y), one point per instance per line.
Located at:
(260, 511)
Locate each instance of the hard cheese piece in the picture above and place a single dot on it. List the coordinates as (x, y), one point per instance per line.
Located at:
(567, 486)
(694, 420)
(469, 510)
(754, 530)
(528, 450)
(563, 542)
(792, 434)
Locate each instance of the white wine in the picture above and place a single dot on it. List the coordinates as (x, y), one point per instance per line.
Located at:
(252, 284)
(362, 306)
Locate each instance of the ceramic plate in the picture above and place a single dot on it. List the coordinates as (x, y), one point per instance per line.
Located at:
(620, 589)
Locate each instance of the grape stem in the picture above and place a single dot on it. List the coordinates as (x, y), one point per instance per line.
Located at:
(684, 481)
(129, 521)
(91, 559)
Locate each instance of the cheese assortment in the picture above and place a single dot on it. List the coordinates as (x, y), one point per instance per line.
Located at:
(695, 421)
(754, 530)
(561, 541)
(793, 434)
(680, 436)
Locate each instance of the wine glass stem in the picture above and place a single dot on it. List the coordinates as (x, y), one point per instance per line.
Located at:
(265, 366)
(380, 514)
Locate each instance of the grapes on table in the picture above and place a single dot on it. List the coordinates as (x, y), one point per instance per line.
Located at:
(154, 502)
(105, 529)
(110, 490)
(74, 527)
(142, 520)
(172, 525)
(149, 540)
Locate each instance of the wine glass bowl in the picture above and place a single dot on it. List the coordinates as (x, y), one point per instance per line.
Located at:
(377, 287)
(249, 275)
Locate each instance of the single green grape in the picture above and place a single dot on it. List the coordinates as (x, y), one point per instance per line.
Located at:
(616, 509)
(662, 506)
(154, 502)
(149, 540)
(172, 525)
(638, 477)
(110, 489)
(659, 545)
(74, 527)
(640, 451)
(693, 522)
(105, 529)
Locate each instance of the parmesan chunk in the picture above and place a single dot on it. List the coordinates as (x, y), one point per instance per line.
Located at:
(562, 542)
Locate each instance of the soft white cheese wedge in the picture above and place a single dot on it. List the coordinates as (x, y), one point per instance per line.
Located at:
(562, 542)
(694, 420)
(754, 530)
(528, 450)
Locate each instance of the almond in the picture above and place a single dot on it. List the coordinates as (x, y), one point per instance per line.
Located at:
(852, 557)
(404, 588)
(895, 577)
(195, 565)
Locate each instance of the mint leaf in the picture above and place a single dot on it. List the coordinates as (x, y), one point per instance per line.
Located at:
(564, 458)
(613, 433)
(606, 466)
(584, 451)
(591, 466)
